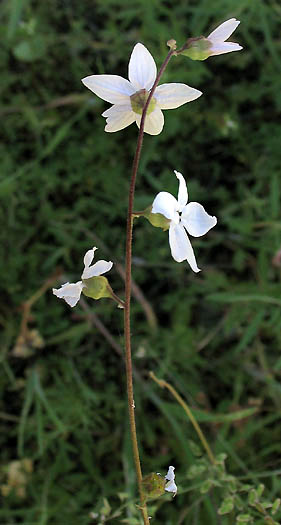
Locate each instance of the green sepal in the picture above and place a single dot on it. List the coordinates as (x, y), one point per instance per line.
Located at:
(156, 219)
(97, 287)
(196, 49)
(153, 486)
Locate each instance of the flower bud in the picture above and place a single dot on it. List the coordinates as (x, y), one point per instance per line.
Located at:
(153, 486)
(196, 48)
(172, 44)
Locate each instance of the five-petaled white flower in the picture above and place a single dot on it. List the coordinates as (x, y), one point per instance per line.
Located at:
(129, 96)
(71, 292)
(191, 217)
(220, 34)
(170, 477)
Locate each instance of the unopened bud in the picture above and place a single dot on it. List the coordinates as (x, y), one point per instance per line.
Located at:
(172, 44)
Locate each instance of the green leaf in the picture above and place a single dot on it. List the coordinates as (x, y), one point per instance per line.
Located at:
(244, 518)
(206, 486)
(253, 497)
(275, 506)
(226, 506)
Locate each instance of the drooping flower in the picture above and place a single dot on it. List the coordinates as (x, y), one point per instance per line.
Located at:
(170, 477)
(129, 96)
(191, 218)
(214, 44)
(71, 292)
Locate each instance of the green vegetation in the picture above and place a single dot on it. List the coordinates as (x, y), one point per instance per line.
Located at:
(215, 336)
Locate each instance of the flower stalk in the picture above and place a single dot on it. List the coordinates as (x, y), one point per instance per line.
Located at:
(128, 286)
(205, 444)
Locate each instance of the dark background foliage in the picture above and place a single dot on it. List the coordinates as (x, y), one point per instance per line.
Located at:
(215, 336)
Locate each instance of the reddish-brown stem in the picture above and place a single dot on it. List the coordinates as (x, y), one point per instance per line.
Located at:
(128, 285)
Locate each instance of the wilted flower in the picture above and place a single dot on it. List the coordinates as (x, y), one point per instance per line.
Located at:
(129, 96)
(170, 477)
(183, 217)
(71, 292)
(214, 44)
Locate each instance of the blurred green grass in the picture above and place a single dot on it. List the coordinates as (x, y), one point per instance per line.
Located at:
(63, 186)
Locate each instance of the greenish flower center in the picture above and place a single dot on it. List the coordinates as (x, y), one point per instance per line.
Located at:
(138, 101)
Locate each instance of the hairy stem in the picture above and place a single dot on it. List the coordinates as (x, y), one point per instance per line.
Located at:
(128, 286)
(187, 410)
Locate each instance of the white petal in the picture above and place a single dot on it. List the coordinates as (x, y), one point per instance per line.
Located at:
(171, 96)
(112, 88)
(154, 122)
(224, 47)
(196, 220)
(118, 117)
(97, 269)
(170, 476)
(182, 194)
(116, 109)
(181, 246)
(88, 257)
(70, 292)
(142, 68)
(223, 31)
(167, 205)
(171, 487)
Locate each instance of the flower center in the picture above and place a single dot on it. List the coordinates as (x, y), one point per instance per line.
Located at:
(138, 101)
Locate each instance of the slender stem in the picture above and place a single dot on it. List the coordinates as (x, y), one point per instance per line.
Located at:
(115, 297)
(128, 286)
(187, 410)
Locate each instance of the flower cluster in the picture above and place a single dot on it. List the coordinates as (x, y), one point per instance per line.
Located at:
(129, 96)
(180, 217)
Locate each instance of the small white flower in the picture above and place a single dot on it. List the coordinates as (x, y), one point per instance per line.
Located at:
(71, 292)
(191, 217)
(220, 34)
(170, 477)
(129, 96)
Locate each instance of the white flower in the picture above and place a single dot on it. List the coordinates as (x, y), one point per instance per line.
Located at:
(129, 96)
(191, 217)
(71, 292)
(220, 34)
(170, 477)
